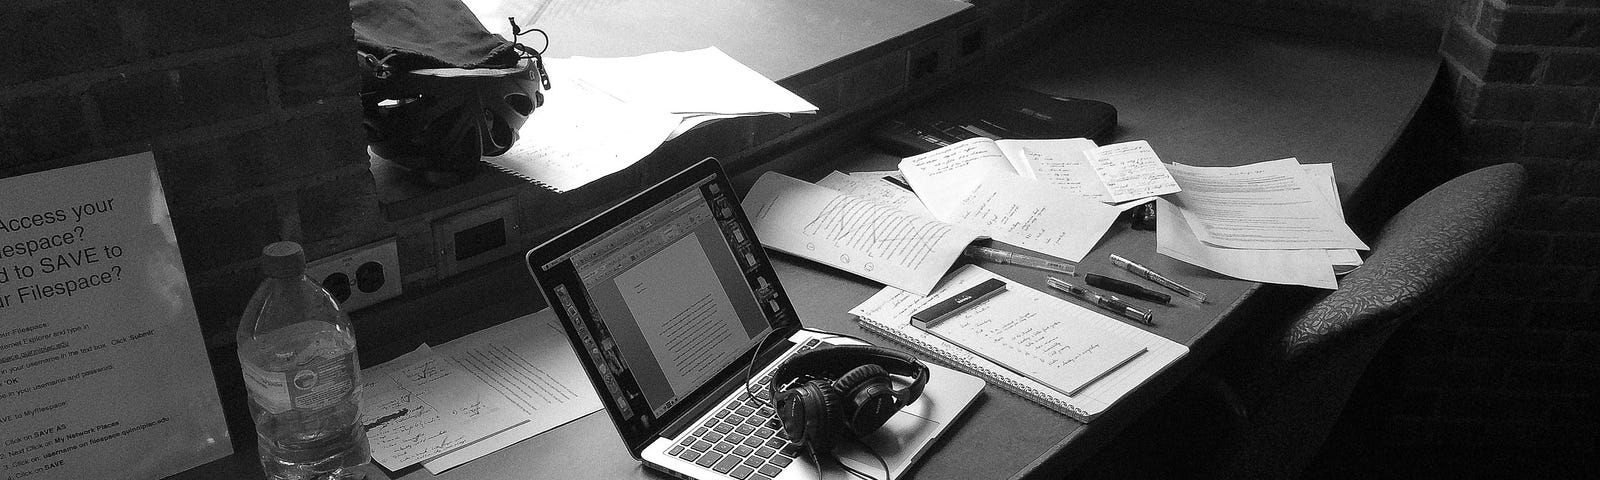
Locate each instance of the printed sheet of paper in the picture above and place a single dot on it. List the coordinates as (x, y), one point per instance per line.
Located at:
(581, 134)
(1265, 205)
(103, 369)
(854, 234)
(1343, 259)
(704, 81)
(1309, 267)
(529, 361)
(423, 405)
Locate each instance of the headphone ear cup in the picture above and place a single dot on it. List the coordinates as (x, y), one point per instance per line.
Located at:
(810, 413)
(869, 398)
(853, 378)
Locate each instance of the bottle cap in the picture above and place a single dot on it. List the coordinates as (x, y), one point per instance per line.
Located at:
(283, 260)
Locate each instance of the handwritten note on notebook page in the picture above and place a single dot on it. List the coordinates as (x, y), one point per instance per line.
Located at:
(888, 313)
(1060, 344)
(854, 234)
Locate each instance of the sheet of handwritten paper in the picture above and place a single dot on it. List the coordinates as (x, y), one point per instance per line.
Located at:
(858, 235)
(1060, 162)
(1131, 170)
(875, 188)
(940, 177)
(423, 405)
(1031, 214)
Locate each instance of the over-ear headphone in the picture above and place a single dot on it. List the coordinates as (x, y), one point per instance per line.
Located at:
(842, 389)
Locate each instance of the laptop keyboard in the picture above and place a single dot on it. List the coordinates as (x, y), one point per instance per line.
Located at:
(741, 440)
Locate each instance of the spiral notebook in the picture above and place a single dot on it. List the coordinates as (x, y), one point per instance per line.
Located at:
(887, 314)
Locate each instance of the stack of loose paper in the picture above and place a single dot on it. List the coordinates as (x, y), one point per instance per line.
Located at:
(698, 86)
(1055, 197)
(865, 227)
(470, 397)
(1123, 174)
(1272, 222)
(603, 114)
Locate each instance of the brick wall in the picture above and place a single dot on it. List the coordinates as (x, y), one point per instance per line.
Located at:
(1510, 359)
(250, 108)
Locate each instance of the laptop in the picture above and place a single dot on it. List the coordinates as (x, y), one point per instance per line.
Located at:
(677, 317)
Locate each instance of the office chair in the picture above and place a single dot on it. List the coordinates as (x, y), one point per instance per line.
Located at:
(1291, 388)
(1282, 387)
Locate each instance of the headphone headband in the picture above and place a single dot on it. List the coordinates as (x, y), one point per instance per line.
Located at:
(834, 360)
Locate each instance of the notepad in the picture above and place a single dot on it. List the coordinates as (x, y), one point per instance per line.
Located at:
(1040, 319)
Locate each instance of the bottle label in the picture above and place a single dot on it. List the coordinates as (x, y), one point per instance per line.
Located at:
(323, 384)
(310, 387)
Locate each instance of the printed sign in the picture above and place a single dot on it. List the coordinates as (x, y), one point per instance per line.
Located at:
(103, 371)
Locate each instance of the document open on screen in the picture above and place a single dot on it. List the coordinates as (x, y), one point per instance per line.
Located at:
(664, 284)
(697, 330)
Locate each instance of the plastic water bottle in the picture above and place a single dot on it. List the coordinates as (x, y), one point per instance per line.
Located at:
(297, 353)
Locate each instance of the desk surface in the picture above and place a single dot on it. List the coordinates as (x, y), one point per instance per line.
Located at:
(1201, 94)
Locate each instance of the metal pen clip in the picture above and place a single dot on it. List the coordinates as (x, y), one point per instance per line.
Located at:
(1111, 303)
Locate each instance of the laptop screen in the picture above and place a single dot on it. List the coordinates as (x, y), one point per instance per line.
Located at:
(666, 294)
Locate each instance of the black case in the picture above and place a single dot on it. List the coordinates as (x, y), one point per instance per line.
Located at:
(996, 112)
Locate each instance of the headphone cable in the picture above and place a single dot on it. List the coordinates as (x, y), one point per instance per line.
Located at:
(749, 369)
(875, 454)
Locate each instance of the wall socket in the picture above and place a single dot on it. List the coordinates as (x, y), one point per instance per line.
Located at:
(360, 276)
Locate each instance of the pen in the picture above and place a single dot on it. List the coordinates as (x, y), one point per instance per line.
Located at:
(1140, 270)
(1001, 256)
(899, 183)
(1130, 289)
(1109, 303)
(948, 307)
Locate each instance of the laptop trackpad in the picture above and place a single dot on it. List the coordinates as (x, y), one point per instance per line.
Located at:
(898, 442)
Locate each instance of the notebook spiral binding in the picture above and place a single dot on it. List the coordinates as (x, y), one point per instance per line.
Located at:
(518, 174)
(1005, 382)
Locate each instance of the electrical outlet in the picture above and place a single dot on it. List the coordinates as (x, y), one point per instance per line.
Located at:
(360, 276)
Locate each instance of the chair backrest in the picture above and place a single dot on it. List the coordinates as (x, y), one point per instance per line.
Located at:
(1296, 389)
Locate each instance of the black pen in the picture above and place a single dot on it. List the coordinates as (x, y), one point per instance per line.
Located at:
(949, 307)
(1125, 288)
(1111, 303)
(899, 183)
